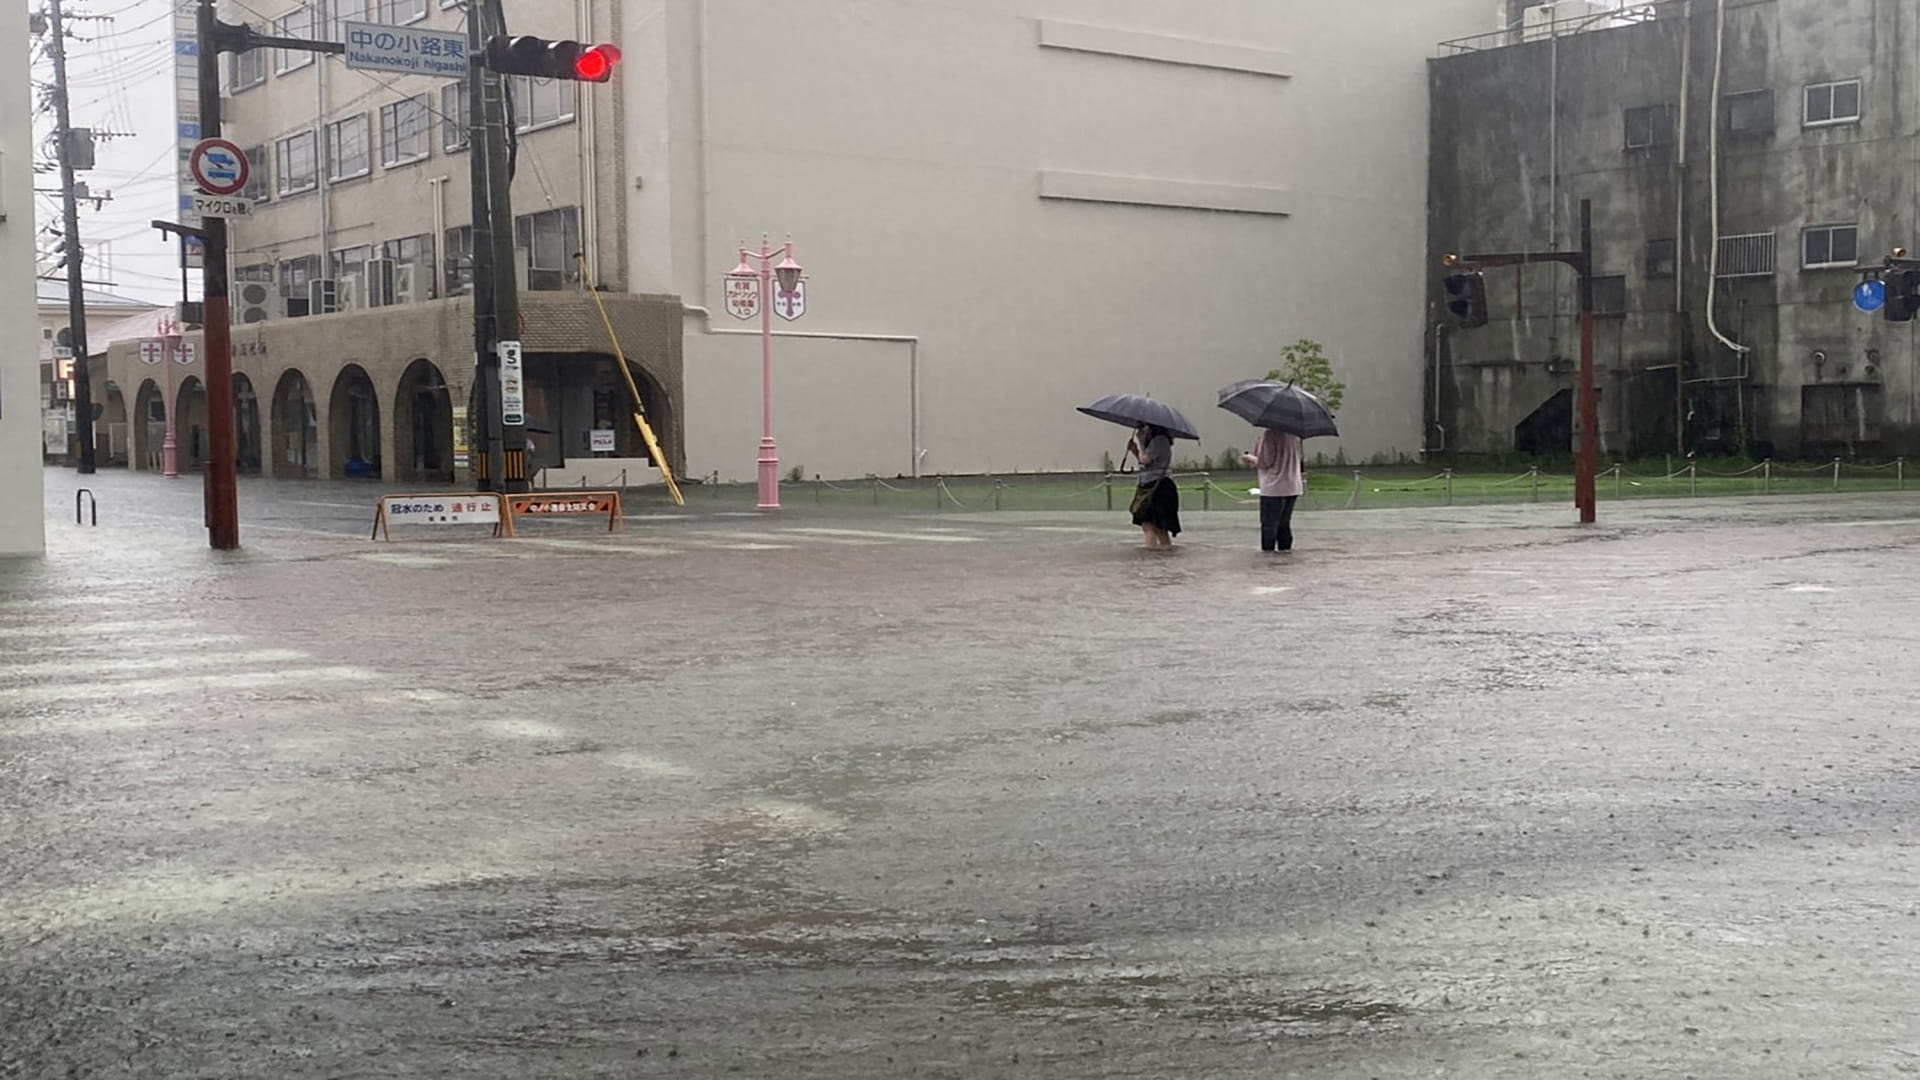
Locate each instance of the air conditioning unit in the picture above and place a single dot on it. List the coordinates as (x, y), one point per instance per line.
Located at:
(255, 296)
(379, 279)
(322, 298)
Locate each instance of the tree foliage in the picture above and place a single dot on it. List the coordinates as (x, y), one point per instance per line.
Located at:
(1304, 364)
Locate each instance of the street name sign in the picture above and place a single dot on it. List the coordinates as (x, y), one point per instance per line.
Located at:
(221, 206)
(743, 297)
(405, 50)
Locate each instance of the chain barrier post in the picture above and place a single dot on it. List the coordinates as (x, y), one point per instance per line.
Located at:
(1693, 479)
(1900, 473)
(1836, 474)
(1448, 473)
(1616, 480)
(1533, 475)
(1107, 482)
(996, 494)
(1766, 477)
(1206, 491)
(1355, 499)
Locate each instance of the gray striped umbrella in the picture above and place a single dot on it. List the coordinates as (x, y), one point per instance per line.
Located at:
(1132, 410)
(1285, 406)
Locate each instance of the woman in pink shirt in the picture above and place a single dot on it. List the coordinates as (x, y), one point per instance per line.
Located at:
(1277, 456)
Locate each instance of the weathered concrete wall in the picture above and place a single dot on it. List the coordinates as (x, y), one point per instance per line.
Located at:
(21, 528)
(1503, 118)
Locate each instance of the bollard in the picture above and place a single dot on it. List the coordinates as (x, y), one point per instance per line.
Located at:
(1616, 480)
(92, 503)
(1900, 474)
(1766, 477)
(1534, 475)
(875, 482)
(1107, 482)
(1448, 473)
(1206, 491)
(996, 494)
(1836, 474)
(1693, 479)
(1355, 500)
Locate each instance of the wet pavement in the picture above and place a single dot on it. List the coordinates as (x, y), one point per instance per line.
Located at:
(1468, 792)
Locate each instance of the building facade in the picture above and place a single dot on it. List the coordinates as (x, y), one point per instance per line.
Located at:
(22, 529)
(1007, 208)
(353, 335)
(1745, 160)
(103, 309)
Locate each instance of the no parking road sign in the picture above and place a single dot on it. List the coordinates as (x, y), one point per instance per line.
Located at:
(219, 167)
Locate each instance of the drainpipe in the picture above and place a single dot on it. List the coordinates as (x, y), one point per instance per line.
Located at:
(584, 138)
(1437, 426)
(439, 185)
(1680, 228)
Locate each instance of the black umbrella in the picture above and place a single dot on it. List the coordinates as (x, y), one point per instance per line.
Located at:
(1278, 405)
(1132, 410)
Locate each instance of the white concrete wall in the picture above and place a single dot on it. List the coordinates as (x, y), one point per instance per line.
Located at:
(22, 517)
(906, 147)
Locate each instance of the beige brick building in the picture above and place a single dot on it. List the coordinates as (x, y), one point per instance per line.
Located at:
(353, 331)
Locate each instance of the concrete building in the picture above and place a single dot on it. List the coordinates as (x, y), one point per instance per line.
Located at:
(56, 363)
(353, 338)
(1007, 208)
(1745, 159)
(22, 529)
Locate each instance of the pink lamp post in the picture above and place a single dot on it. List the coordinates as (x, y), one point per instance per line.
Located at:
(787, 273)
(169, 449)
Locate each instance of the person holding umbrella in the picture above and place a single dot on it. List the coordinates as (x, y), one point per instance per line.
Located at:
(1155, 424)
(1286, 414)
(1276, 455)
(1156, 500)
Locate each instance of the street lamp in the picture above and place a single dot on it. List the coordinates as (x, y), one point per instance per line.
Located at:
(750, 291)
(169, 355)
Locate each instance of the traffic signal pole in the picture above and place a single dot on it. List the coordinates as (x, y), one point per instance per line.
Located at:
(1587, 406)
(506, 279)
(486, 371)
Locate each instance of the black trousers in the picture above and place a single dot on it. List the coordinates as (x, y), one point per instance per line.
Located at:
(1276, 522)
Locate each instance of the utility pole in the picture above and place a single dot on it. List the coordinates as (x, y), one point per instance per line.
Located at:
(70, 228)
(506, 279)
(490, 466)
(223, 510)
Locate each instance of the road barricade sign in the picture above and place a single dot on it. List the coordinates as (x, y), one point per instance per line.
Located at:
(482, 508)
(564, 504)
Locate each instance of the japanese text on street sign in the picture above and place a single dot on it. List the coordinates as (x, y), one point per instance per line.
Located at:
(405, 50)
(601, 441)
(790, 304)
(513, 397)
(456, 510)
(743, 297)
(221, 206)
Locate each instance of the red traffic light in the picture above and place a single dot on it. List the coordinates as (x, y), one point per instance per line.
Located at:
(595, 64)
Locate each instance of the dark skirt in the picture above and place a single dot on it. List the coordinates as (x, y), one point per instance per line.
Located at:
(1158, 504)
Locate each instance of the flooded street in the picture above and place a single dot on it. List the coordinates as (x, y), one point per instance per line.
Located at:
(1451, 792)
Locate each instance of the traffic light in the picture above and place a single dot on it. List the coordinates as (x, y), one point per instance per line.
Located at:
(543, 59)
(1903, 295)
(1467, 299)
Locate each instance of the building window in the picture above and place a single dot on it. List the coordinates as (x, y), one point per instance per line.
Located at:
(339, 12)
(1649, 125)
(459, 256)
(540, 102)
(1823, 246)
(1610, 295)
(295, 276)
(346, 262)
(412, 259)
(1746, 255)
(403, 131)
(297, 23)
(399, 12)
(1750, 113)
(453, 117)
(547, 241)
(347, 152)
(258, 169)
(295, 164)
(1831, 103)
(245, 69)
(1661, 262)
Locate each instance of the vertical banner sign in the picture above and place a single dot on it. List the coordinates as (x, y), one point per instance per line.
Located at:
(186, 103)
(513, 397)
(460, 440)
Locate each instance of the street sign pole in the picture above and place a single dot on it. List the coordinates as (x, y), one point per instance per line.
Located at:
(222, 490)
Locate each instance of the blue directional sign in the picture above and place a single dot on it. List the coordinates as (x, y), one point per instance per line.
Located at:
(1870, 295)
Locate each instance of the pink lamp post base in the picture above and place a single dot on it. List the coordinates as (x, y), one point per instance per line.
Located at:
(169, 456)
(769, 475)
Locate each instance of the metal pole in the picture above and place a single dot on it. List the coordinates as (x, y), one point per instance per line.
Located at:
(1693, 479)
(1616, 480)
(489, 465)
(70, 225)
(1107, 482)
(1534, 475)
(1448, 473)
(1900, 474)
(1836, 474)
(1206, 491)
(506, 277)
(223, 512)
(1766, 477)
(769, 453)
(169, 443)
(1583, 493)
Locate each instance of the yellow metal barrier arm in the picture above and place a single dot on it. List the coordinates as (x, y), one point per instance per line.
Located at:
(639, 406)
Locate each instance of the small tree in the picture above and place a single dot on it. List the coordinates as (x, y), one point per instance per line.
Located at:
(1304, 364)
